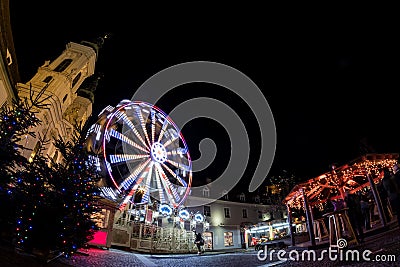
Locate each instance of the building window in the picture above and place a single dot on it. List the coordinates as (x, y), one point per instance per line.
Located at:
(9, 58)
(242, 197)
(224, 195)
(244, 213)
(76, 79)
(47, 79)
(206, 192)
(228, 239)
(260, 215)
(63, 65)
(35, 151)
(207, 211)
(227, 213)
(55, 156)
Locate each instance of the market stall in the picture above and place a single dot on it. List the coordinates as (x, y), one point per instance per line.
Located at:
(360, 175)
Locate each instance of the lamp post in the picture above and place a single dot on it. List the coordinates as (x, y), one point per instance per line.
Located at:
(290, 225)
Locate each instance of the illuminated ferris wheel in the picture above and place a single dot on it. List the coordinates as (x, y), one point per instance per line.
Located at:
(143, 155)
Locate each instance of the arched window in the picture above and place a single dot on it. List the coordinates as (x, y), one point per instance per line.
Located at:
(63, 65)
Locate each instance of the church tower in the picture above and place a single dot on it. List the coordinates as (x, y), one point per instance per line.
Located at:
(58, 84)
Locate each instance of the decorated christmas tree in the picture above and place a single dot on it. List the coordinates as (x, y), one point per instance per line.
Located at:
(16, 123)
(76, 193)
(33, 200)
(46, 205)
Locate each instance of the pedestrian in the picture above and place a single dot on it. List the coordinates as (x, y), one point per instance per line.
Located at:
(338, 204)
(365, 212)
(391, 183)
(354, 214)
(384, 200)
(199, 241)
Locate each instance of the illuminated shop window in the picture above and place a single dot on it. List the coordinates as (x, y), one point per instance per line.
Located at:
(228, 239)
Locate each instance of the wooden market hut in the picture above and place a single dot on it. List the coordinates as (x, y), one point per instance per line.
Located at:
(364, 172)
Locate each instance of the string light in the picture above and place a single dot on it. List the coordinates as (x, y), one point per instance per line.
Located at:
(352, 177)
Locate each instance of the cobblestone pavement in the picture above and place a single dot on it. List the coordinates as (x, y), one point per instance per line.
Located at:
(383, 244)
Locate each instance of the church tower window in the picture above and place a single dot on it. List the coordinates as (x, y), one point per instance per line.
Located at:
(63, 65)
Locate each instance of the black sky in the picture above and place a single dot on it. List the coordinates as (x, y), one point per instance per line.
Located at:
(329, 88)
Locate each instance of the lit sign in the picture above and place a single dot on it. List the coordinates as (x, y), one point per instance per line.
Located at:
(198, 218)
(165, 209)
(184, 214)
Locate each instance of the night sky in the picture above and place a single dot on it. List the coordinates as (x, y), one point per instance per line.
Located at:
(330, 89)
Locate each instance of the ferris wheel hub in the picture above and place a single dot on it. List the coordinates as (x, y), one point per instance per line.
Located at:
(158, 152)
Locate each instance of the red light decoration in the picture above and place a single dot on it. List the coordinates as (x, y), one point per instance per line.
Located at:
(350, 177)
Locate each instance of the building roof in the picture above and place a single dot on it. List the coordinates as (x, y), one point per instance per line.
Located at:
(350, 177)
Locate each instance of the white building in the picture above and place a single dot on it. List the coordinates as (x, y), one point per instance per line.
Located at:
(227, 221)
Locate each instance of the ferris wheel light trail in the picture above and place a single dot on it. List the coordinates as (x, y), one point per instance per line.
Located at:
(168, 186)
(153, 125)
(124, 158)
(160, 191)
(144, 155)
(181, 181)
(183, 166)
(133, 128)
(143, 124)
(145, 197)
(125, 139)
(132, 177)
(170, 141)
(165, 124)
(134, 188)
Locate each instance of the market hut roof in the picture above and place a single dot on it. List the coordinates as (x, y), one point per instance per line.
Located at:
(350, 177)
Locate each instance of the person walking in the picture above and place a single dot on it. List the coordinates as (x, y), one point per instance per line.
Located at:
(365, 210)
(391, 183)
(355, 215)
(199, 241)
